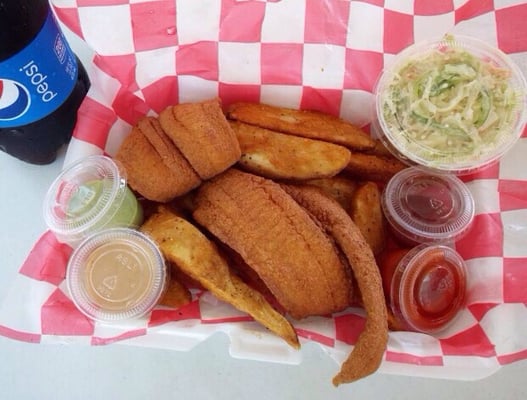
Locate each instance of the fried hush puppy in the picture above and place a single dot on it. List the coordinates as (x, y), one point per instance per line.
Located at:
(276, 237)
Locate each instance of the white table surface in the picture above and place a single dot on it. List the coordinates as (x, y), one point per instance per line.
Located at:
(39, 371)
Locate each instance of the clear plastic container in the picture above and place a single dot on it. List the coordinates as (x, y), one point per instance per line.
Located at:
(427, 288)
(116, 274)
(427, 207)
(88, 196)
(454, 104)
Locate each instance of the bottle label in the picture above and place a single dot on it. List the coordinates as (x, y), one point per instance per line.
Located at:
(38, 79)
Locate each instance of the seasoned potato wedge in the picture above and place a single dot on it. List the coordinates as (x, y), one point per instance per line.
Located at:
(380, 150)
(176, 295)
(280, 156)
(194, 254)
(310, 124)
(338, 188)
(366, 212)
(371, 167)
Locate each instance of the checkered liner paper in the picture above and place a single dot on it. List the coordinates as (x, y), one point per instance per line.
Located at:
(315, 54)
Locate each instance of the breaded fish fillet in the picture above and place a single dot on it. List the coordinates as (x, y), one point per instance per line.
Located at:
(196, 256)
(276, 237)
(371, 345)
(169, 153)
(146, 172)
(203, 135)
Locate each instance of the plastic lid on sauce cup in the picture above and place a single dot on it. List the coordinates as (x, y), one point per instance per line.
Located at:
(428, 288)
(116, 274)
(426, 207)
(89, 195)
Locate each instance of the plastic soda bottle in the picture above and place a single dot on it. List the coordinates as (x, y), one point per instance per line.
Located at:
(42, 82)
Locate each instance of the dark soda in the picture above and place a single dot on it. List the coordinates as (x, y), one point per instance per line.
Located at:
(42, 82)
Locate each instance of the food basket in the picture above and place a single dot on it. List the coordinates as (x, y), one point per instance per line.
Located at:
(318, 54)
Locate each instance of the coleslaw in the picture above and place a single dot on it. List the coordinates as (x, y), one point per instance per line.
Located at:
(446, 105)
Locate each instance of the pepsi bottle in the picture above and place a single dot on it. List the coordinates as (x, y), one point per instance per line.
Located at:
(42, 82)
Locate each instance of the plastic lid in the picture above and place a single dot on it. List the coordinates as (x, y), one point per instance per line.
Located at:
(428, 288)
(454, 104)
(84, 197)
(425, 207)
(116, 274)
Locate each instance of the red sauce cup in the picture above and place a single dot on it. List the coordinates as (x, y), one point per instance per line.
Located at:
(422, 206)
(425, 287)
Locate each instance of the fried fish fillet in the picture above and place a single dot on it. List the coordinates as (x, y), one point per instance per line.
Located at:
(147, 173)
(203, 135)
(184, 245)
(371, 344)
(276, 237)
(310, 124)
(169, 153)
(281, 156)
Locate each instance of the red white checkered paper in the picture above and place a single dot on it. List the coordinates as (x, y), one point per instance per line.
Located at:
(316, 54)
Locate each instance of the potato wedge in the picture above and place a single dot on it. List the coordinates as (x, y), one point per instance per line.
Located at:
(176, 295)
(380, 150)
(184, 245)
(280, 156)
(309, 124)
(371, 167)
(366, 212)
(338, 188)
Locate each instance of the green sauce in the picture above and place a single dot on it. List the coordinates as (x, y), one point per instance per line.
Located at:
(89, 201)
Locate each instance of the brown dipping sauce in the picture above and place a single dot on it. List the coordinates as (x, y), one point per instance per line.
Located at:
(116, 274)
(117, 277)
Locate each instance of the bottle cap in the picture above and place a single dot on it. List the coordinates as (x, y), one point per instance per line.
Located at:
(89, 195)
(116, 274)
(424, 207)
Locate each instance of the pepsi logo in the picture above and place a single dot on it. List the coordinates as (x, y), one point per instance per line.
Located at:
(14, 100)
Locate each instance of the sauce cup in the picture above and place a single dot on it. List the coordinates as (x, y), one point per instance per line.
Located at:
(426, 207)
(116, 274)
(88, 196)
(425, 287)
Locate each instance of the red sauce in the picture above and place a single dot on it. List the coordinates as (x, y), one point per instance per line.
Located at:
(425, 286)
(423, 207)
(388, 263)
(430, 199)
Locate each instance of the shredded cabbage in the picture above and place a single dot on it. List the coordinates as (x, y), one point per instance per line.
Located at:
(449, 102)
